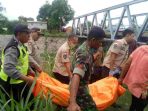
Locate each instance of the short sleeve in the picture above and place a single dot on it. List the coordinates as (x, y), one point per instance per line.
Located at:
(116, 48)
(80, 64)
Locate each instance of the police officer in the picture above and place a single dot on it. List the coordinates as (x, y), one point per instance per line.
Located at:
(15, 64)
(33, 49)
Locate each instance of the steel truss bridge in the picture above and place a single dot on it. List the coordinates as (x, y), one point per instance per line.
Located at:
(114, 25)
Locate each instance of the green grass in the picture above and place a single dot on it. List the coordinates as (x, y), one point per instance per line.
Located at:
(55, 34)
(48, 62)
(124, 101)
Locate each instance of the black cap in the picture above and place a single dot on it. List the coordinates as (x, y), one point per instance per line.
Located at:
(21, 28)
(35, 29)
(96, 33)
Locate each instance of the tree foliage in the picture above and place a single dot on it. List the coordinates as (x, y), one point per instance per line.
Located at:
(58, 14)
(23, 19)
(44, 12)
(2, 8)
(3, 20)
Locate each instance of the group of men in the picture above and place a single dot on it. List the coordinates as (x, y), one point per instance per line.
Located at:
(74, 65)
(88, 57)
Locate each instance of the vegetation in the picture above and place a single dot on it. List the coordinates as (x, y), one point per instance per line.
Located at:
(56, 14)
(43, 104)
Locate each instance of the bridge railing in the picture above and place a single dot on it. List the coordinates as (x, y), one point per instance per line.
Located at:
(82, 24)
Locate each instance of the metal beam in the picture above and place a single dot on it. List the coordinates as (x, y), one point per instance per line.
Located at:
(110, 24)
(73, 26)
(104, 20)
(78, 22)
(120, 21)
(96, 20)
(129, 16)
(143, 27)
(86, 23)
(93, 20)
(134, 15)
(79, 26)
(113, 7)
(135, 24)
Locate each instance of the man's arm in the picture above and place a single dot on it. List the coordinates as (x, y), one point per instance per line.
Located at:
(78, 72)
(115, 50)
(112, 60)
(74, 88)
(125, 68)
(34, 64)
(73, 106)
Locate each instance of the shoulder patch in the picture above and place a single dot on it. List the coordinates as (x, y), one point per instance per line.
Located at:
(65, 56)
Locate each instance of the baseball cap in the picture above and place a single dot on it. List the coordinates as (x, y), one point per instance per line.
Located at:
(35, 29)
(96, 33)
(21, 28)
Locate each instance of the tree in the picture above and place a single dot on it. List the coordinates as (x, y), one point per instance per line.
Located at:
(22, 19)
(44, 12)
(3, 24)
(61, 13)
(58, 14)
(11, 25)
(30, 19)
(2, 8)
(3, 20)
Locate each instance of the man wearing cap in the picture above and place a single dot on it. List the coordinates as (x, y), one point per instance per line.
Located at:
(86, 54)
(15, 64)
(33, 48)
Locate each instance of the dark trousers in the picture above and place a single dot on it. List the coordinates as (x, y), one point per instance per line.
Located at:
(18, 91)
(96, 75)
(63, 79)
(138, 104)
(105, 72)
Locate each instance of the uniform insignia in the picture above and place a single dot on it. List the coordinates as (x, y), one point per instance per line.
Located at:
(115, 46)
(65, 56)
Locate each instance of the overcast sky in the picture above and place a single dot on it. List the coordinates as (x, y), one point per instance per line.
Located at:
(30, 8)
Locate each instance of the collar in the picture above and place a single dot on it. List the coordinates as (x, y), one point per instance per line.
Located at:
(124, 41)
(17, 41)
(67, 44)
(31, 39)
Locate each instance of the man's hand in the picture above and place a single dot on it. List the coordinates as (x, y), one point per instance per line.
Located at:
(28, 80)
(70, 75)
(120, 81)
(39, 69)
(31, 73)
(98, 54)
(115, 71)
(73, 107)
